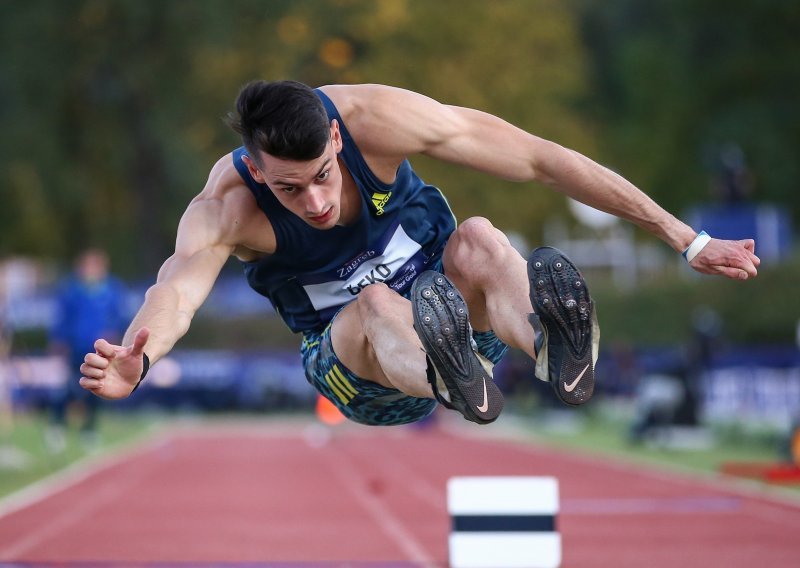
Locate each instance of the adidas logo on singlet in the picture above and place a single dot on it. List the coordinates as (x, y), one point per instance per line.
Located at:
(380, 200)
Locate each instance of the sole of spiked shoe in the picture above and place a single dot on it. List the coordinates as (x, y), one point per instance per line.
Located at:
(441, 319)
(561, 299)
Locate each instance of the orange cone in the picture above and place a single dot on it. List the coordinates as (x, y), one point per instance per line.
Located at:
(327, 412)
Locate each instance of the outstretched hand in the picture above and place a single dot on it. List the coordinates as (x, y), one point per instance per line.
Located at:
(734, 259)
(113, 371)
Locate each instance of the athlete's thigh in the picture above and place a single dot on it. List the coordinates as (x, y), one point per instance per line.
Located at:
(360, 400)
(481, 262)
(461, 267)
(352, 348)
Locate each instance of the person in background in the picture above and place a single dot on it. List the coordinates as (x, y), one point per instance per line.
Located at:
(6, 403)
(90, 304)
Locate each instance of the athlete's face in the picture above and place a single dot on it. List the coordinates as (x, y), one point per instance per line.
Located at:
(311, 189)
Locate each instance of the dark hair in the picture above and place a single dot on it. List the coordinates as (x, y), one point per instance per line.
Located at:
(285, 119)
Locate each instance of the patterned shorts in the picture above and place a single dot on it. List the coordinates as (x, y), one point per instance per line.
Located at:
(367, 402)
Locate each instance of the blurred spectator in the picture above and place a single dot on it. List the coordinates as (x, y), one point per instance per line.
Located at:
(732, 180)
(706, 341)
(621, 370)
(89, 305)
(672, 398)
(6, 417)
(658, 398)
(792, 439)
(11, 457)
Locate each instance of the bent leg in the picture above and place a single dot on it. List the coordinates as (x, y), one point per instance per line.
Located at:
(362, 401)
(492, 277)
(502, 288)
(374, 336)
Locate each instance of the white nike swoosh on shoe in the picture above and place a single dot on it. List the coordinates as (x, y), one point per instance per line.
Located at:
(569, 387)
(485, 406)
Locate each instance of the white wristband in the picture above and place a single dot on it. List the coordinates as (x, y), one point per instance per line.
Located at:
(698, 244)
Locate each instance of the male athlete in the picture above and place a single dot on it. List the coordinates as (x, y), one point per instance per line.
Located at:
(398, 307)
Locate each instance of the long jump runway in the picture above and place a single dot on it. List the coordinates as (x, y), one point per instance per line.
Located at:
(263, 494)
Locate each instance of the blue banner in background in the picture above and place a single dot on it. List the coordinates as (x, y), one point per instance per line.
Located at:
(185, 380)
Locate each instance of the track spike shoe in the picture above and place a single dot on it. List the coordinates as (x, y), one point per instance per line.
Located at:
(441, 320)
(565, 322)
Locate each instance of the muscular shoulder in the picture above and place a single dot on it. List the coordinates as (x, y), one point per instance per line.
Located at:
(416, 121)
(225, 213)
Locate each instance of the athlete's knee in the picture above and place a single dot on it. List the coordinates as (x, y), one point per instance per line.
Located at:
(477, 242)
(376, 299)
(475, 228)
(478, 233)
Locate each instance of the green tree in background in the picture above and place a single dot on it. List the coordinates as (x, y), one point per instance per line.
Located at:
(676, 79)
(111, 115)
(112, 110)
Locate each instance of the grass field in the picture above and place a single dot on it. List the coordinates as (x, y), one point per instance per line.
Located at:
(603, 429)
(25, 456)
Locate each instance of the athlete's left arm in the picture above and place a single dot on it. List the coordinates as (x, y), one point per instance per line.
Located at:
(487, 143)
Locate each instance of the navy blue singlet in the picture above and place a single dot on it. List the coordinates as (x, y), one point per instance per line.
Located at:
(402, 229)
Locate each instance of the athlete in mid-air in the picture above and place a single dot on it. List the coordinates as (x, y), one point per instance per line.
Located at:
(398, 306)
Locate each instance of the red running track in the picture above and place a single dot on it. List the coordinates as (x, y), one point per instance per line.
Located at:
(265, 495)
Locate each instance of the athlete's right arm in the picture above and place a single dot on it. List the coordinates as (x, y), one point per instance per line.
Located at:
(184, 281)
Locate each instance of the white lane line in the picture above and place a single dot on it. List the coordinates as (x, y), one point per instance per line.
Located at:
(64, 480)
(72, 475)
(382, 516)
(111, 490)
(651, 505)
(426, 491)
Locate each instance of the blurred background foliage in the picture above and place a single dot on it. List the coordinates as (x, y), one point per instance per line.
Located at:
(675, 79)
(112, 111)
